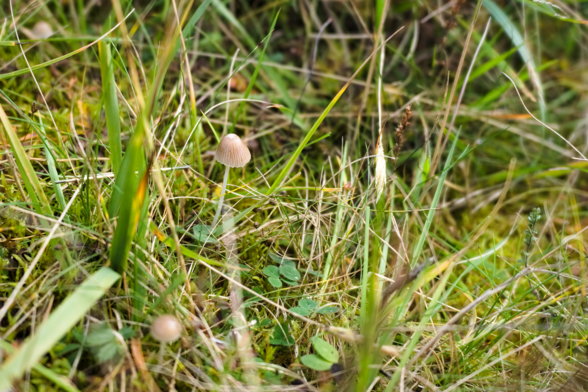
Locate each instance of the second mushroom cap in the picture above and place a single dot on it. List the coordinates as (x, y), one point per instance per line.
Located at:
(232, 152)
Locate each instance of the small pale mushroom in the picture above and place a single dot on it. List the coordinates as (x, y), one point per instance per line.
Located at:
(166, 329)
(231, 152)
(42, 30)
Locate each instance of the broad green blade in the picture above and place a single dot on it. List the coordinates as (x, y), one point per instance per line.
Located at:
(59, 380)
(110, 106)
(129, 191)
(59, 323)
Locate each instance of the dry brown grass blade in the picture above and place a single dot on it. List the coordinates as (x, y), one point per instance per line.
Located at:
(139, 360)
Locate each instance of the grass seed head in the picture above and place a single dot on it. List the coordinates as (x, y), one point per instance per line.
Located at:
(399, 134)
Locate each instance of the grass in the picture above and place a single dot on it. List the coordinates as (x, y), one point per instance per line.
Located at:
(466, 273)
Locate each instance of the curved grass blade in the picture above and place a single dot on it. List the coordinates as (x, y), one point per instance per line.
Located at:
(518, 41)
(304, 142)
(58, 59)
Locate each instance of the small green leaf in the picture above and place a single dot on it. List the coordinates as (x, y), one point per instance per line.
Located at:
(203, 233)
(272, 271)
(290, 282)
(281, 336)
(289, 272)
(301, 311)
(280, 331)
(277, 283)
(325, 350)
(265, 323)
(315, 362)
(307, 303)
(276, 258)
(289, 341)
(328, 310)
(256, 289)
(289, 263)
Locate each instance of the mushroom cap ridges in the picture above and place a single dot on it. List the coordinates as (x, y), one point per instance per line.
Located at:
(232, 152)
(166, 328)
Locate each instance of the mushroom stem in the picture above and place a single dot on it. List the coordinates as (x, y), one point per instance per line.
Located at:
(222, 198)
(161, 352)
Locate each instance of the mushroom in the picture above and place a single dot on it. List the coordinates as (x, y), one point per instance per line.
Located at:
(231, 152)
(42, 30)
(166, 329)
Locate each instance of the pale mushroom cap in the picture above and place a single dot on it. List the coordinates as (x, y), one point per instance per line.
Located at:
(232, 152)
(42, 30)
(166, 328)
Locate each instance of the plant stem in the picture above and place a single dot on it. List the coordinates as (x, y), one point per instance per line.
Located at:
(222, 197)
(161, 352)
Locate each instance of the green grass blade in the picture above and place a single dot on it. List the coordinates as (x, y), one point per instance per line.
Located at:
(130, 188)
(366, 263)
(224, 11)
(482, 69)
(255, 73)
(110, 106)
(139, 275)
(338, 221)
(185, 251)
(319, 121)
(130, 207)
(59, 323)
(432, 308)
(384, 257)
(189, 27)
(59, 380)
(518, 41)
(51, 165)
(433, 208)
(60, 58)
(367, 315)
(34, 189)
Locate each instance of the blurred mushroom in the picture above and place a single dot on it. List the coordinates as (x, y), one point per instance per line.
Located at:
(166, 329)
(42, 30)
